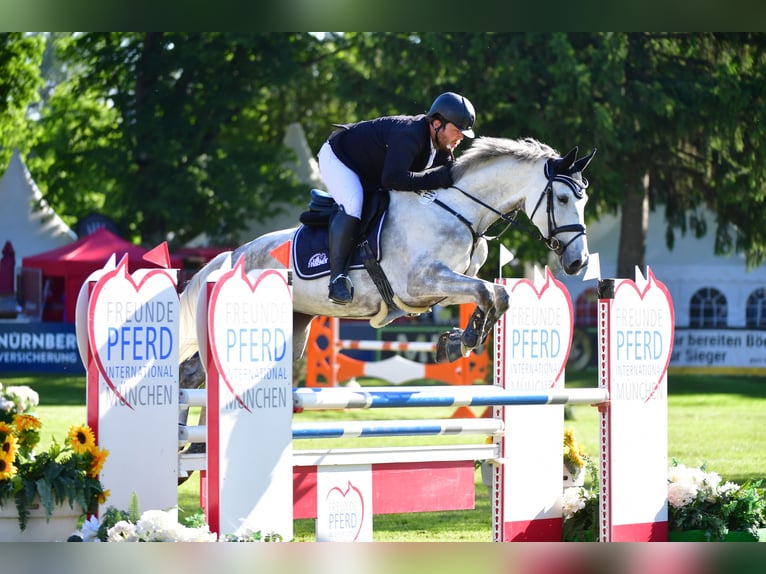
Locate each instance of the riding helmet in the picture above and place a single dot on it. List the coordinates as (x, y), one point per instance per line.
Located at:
(454, 108)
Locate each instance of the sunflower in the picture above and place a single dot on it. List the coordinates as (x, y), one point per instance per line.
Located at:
(25, 422)
(102, 496)
(82, 439)
(99, 457)
(574, 455)
(9, 447)
(7, 468)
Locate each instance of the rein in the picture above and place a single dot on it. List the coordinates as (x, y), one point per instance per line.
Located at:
(510, 217)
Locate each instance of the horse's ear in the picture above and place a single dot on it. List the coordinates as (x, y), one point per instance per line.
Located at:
(582, 163)
(562, 164)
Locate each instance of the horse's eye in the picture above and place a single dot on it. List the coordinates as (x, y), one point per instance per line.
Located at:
(563, 199)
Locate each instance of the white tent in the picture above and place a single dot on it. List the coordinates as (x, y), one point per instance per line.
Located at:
(26, 220)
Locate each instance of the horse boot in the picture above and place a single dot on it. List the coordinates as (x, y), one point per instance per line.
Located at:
(342, 231)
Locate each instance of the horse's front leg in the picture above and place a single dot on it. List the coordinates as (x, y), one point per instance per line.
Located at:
(438, 281)
(458, 343)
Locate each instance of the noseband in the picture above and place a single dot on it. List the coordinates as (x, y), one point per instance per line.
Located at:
(578, 189)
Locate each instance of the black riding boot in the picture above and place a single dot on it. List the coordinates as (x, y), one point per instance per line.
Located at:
(342, 230)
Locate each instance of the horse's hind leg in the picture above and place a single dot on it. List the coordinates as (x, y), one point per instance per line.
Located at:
(192, 376)
(301, 326)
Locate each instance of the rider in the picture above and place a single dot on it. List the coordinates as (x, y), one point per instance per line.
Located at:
(407, 153)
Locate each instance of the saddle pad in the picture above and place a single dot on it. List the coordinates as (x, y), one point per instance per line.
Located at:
(310, 250)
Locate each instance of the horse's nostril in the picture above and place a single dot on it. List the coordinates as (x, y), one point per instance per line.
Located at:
(574, 266)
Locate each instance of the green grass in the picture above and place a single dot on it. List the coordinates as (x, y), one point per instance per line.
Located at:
(717, 420)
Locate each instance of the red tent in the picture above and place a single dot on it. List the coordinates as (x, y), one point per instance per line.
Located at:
(66, 268)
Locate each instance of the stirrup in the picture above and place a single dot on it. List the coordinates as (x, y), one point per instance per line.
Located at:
(341, 293)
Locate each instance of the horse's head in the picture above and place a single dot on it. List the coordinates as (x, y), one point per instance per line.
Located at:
(559, 211)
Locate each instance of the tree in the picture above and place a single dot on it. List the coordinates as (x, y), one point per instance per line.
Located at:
(679, 121)
(172, 134)
(678, 118)
(20, 56)
(180, 133)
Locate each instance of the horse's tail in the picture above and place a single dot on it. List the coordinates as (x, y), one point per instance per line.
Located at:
(188, 308)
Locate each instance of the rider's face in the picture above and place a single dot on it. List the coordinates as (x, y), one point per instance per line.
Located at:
(449, 137)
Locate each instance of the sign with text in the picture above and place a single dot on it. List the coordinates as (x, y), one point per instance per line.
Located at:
(636, 320)
(132, 383)
(344, 503)
(249, 362)
(534, 337)
(734, 351)
(39, 348)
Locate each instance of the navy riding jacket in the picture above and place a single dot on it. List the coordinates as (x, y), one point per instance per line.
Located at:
(391, 153)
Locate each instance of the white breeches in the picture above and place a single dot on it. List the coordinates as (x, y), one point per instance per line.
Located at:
(341, 182)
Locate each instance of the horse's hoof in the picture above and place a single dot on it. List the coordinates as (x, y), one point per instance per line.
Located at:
(475, 326)
(470, 338)
(449, 346)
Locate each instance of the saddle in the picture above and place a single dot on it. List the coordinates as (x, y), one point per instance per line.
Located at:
(310, 251)
(310, 244)
(322, 207)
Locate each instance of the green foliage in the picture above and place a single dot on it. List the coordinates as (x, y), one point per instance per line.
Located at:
(173, 134)
(583, 525)
(700, 501)
(53, 477)
(20, 57)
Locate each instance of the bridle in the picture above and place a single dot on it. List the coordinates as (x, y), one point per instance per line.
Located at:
(578, 189)
(553, 243)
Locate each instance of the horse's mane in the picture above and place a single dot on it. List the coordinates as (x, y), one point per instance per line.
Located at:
(486, 148)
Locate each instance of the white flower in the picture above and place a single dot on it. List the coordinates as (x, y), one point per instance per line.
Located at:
(728, 488)
(123, 531)
(203, 534)
(89, 530)
(18, 399)
(681, 493)
(157, 526)
(572, 501)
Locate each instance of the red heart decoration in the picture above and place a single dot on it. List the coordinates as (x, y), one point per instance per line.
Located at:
(233, 285)
(656, 293)
(119, 285)
(555, 293)
(355, 492)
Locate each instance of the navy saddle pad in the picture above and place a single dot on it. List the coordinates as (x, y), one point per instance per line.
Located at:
(310, 250)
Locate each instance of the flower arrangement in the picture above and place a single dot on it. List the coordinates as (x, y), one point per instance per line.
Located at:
(580, 509)
(700, 500)
(697, 500)
(62, 473)
(131, 525)
(149, 526)
(16, 400)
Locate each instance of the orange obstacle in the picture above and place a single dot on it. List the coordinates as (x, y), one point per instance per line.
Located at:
(327, 366)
